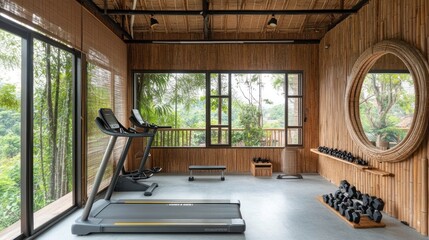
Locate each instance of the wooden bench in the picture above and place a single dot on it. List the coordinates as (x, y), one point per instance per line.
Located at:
(206, 167)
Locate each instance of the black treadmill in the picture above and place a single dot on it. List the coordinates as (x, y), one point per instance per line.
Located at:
(155, 216)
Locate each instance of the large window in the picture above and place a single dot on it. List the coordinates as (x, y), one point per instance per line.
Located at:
(223, 109)
(38, 130)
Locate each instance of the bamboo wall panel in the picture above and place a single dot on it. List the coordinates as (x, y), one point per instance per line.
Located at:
(405, 194)
(236, 160)
(228, 57)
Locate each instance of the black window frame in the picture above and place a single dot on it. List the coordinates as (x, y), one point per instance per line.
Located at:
(229, 125)
(27, 215)
(300, 96)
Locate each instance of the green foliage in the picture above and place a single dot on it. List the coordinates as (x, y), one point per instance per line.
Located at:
(252, 133)
(385, 100)
(8, 99)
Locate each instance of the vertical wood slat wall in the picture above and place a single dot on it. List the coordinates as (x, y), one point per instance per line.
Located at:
(228, 57)
(405, 194)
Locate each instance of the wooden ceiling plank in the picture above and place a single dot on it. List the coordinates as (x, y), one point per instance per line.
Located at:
(161, 6)
(185, 3)
(304, 22)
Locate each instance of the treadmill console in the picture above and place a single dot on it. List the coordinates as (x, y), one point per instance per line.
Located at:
(107, 115)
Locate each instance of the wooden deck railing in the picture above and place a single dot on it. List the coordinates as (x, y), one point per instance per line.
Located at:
(195, 137)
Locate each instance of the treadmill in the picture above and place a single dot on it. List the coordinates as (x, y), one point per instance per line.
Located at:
(131, 181)
(150, 216)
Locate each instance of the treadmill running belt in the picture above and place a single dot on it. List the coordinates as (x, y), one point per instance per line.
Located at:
(173, 211)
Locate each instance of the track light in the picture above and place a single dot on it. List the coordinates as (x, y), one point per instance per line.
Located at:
(272, 22)
(153, 22)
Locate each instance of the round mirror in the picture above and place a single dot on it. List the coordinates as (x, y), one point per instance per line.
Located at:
(386, 101)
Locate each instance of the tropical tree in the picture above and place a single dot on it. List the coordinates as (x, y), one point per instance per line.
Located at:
(385, 99)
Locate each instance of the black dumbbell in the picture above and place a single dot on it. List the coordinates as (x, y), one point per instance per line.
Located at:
(354, 214)
(378, 204)
(344, 186)
(326, 197)
(372, 214)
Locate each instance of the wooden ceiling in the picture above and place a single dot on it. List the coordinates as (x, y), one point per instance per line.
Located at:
(190, 20)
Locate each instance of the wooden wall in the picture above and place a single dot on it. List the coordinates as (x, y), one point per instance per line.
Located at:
(406, 194)
(232, 57)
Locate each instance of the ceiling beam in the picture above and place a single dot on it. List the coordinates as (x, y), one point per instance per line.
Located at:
(98, 12)
(231, 12)
(356, 8)
(231, 41)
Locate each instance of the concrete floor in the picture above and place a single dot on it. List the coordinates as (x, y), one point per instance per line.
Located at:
(273, 210)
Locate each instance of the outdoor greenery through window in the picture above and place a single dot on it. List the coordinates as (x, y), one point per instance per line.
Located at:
(53, 128)
(386, 104)
(37, 147)
(258, 110)
(177, 100)
(10, 130)
(216, 109)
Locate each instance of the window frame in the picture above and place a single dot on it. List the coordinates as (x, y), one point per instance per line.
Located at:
(302, 117)
(229, 125)
(27, 79)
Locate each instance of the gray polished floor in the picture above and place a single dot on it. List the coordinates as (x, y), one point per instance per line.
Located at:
(273, 209)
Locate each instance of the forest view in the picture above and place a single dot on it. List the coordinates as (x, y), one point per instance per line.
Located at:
(179, 100)
(52, 127)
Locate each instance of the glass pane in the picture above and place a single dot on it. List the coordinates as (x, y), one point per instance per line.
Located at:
(294, 114)
(258, 110)
(177, 100)
(214, 84)
(99, 96)
(10, 132)
(219, 135)
(294, 136)
(219, 111)
(224, 84)
(53, 131)
(294, 85)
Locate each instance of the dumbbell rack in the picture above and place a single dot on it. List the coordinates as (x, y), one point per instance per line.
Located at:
(365, 222)
(368, 169)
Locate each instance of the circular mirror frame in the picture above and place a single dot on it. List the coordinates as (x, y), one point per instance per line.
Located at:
(418, 67)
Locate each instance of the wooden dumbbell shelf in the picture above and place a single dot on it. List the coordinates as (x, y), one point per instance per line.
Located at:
(368, 169)
(365, 222)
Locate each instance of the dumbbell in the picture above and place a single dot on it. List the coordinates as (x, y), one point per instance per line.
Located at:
(348, 191)
(355, 215)
(372, 201)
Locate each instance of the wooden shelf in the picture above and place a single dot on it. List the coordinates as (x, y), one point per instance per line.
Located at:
(368, 169)
(365, 222)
